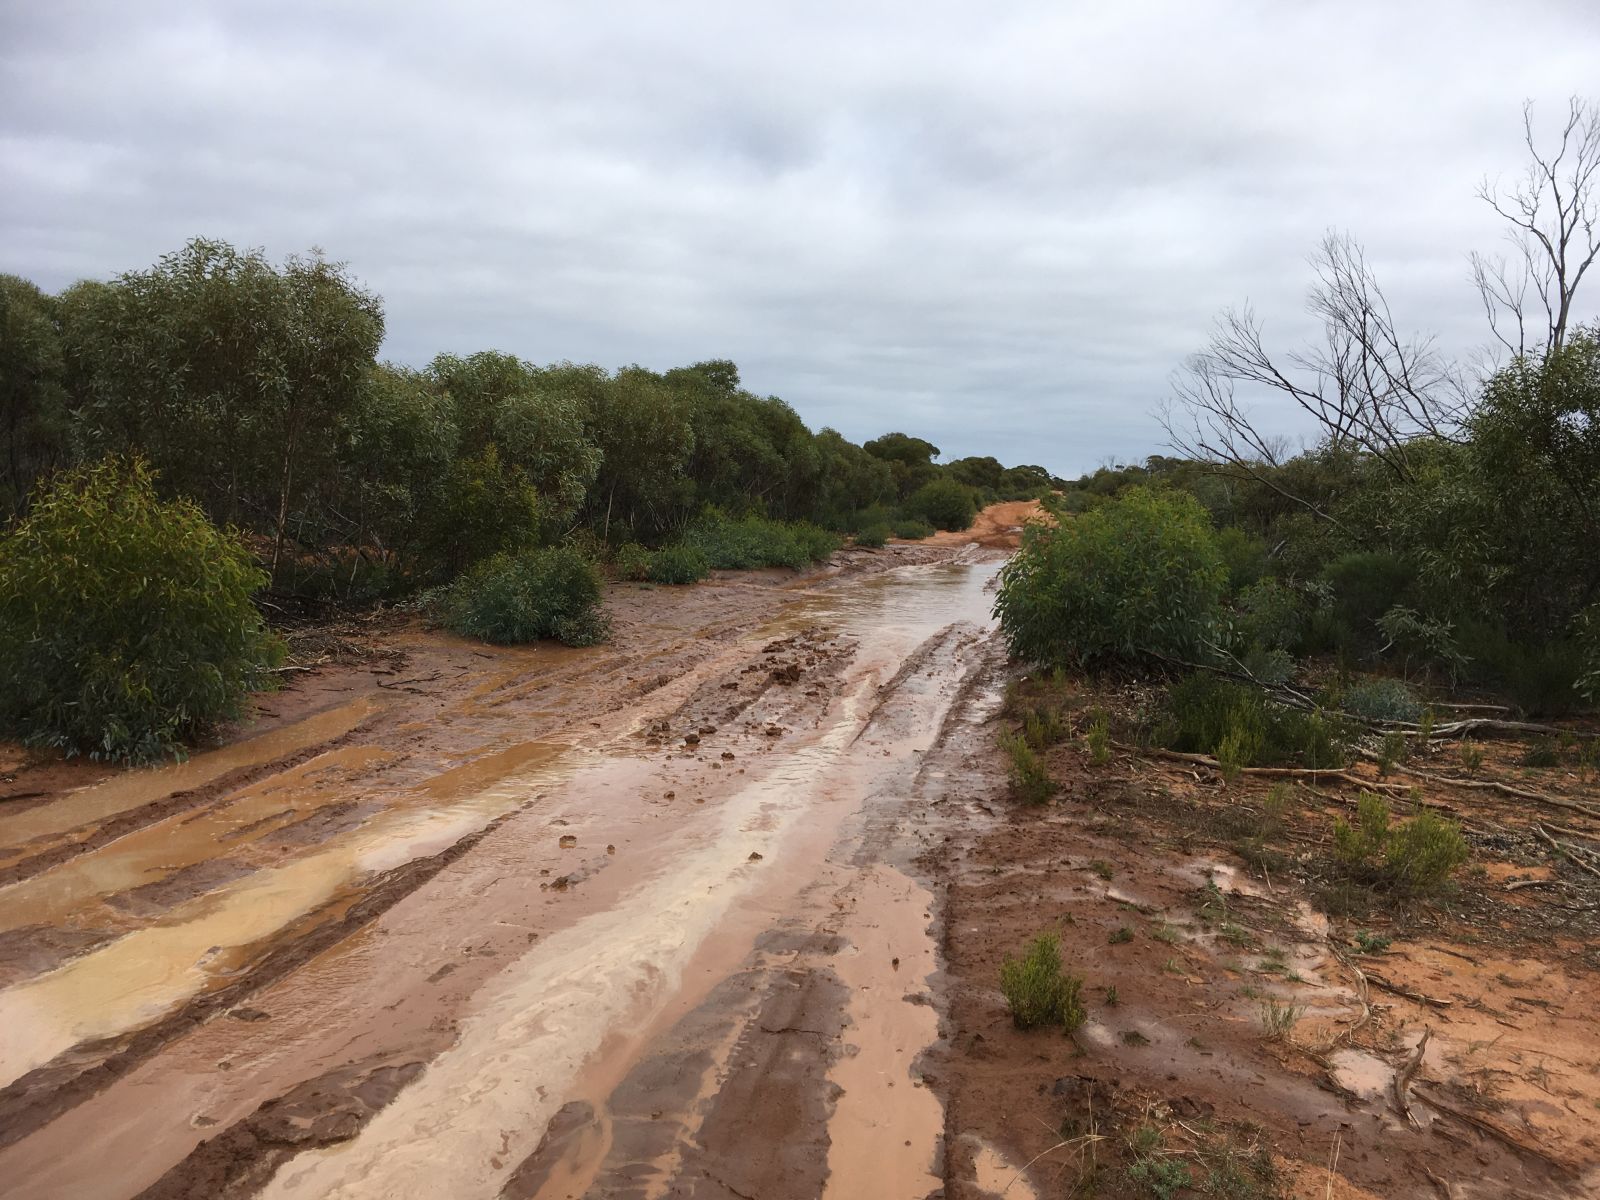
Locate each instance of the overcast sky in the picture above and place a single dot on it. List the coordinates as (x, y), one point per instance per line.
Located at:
(1000, 226)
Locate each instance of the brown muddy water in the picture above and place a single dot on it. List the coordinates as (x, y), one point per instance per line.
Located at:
(520, 935)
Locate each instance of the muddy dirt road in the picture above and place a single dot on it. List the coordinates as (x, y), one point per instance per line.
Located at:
(456, 922)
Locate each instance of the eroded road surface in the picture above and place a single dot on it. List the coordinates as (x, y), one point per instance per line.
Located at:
(636, 921)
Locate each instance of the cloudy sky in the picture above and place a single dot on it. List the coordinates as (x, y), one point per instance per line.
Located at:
(1000, 226)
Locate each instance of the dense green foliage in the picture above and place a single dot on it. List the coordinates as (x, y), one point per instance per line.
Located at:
(678, 564)
(126, 624)
(1415, 859)
(545, 592)
(751, 541)
(1038, 992)
(1241, 727)
(1137, 576)
(254, 389)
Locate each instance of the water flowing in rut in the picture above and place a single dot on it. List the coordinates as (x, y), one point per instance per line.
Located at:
(670, 949)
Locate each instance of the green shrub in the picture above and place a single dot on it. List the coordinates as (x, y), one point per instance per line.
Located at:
(944, 503)
(752, 541)
(1030, 782)
(552, 592)
(874, 536)
(1272, 615)
(913, 529)
(1244, 555)
(1038, 991)
(1139, 575)
(678, 564)
(1382, 700)
(1416, 858)
(1541, 678)
(1241, 727)
(1365, 585)
(126, 625)
(631, 561)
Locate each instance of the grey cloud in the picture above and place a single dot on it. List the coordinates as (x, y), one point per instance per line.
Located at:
(1000, 227)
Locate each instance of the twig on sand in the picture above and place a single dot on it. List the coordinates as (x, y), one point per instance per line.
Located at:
(1319, 773)
(1570, 853)
(1380, 982)
(1402, 1080)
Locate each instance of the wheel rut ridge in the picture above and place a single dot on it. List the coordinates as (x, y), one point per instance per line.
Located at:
(197, 799)
(43, 1094)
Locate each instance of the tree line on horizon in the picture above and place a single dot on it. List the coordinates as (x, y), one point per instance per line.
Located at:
(257, 391)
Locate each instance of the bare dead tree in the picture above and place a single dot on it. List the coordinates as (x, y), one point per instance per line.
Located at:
(1553, 212)
(1368, 388)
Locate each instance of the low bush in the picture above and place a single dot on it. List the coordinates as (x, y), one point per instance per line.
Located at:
(552, 592)
(874, 536)
(752, 541)
(1241, 727)
(631, 561)
(1415, 859)
(1365, 585)
(944, 503)
(913, 529)
(1038, 992)
(126, 621)
(678, 564)
(1271, 615)
(1244, 555)
(1542, 679)
(1138, 576)
(1382, 700)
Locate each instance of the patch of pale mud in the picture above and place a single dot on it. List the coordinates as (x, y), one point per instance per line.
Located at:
(115, 805)
(995, 1175)
(147, 973)
(884, 1133)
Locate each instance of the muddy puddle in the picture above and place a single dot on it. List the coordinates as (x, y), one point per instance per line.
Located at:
(621, 889)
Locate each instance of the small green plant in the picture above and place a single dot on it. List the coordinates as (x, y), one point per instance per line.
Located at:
(1099, 740)
(1121, 935)
(1042, 727)
(1274, 810)
(1111, 996)
(1037, 991)
(1102, 868)
(1166, 933)
(678, 564)
(1416, 858)
(1235, 935)
(1543, 753)
(126, 621)
(1392, 753)
(1371, 943)
(553, 592)
(1471, 758)
(1278, 1018)
(1030, 782)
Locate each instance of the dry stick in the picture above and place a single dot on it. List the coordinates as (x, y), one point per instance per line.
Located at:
(1333, 1161)
(1507, 789)
(1361, 995)
(1494, 1131)
(1402, 1081)
(1379, 981)
(1567, 852)
(1205, 760)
